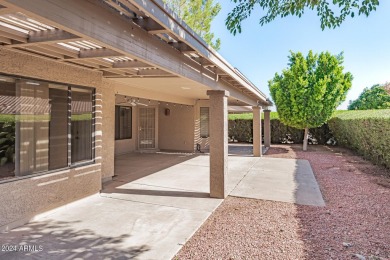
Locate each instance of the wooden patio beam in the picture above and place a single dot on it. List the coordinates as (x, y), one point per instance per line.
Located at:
(12, 34)
(182, 47)
(37, 38)
(153, 72)
(131, 64)
(51, 36)
(149, 25)
(89, 19)
(5, 40)
(99, 53)
(118, 6)
(44, 51)
(5, 10)
(204, 62)
(60, 50)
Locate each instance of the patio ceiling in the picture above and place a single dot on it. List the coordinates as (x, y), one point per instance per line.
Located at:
(22, 33)
(25, 31)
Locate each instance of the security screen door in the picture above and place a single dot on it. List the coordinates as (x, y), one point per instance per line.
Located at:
(147, 125)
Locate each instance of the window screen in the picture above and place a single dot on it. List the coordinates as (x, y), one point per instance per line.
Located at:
(204, 122)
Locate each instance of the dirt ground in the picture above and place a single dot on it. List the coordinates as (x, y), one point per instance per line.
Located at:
(354, 224)
(7, 171)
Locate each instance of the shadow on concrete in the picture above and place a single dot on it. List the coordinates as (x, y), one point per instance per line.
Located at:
(60, 240)
(240, 149)
(183, 194)
(308, 191)
(243, 149)
(133, 166)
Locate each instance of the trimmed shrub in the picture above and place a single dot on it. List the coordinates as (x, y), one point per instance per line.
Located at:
(249, 116)
(281, 134)
(242, 131)
(367, 132)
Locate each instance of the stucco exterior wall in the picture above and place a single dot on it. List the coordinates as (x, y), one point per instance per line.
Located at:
(176, 130)
(21, 199)
(107, 120)
(125, 146)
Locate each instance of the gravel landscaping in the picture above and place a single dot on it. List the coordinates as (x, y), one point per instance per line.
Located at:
(354, 224)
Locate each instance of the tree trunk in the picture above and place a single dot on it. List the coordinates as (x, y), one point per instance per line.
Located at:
(305, 136)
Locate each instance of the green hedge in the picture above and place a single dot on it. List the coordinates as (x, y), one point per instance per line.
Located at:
(365, 131)
(249, 116)
(242, 130)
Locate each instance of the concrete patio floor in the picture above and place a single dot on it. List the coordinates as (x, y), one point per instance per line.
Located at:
(154, 205)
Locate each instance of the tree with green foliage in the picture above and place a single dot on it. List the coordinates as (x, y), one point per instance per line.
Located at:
(376, 97)
(307, 93)
(331, 13)
(198, 14)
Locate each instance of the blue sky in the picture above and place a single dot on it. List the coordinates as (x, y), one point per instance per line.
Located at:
(261, 51)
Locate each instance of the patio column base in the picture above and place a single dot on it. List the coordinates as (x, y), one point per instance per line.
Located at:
(218, 124)
(257, 131)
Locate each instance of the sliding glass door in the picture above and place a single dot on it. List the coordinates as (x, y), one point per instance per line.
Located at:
(58, 127)
(81, 125)
(32, 127)
(7, 127)
(43, 126)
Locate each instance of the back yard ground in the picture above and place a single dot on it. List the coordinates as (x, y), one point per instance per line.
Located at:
(354, 224)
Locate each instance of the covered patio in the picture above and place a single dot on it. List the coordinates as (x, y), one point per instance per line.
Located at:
(150, 210)
(172, 179)
(153, 85)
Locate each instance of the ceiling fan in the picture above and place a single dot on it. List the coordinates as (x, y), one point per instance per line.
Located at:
(132, 101)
